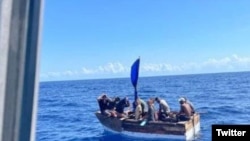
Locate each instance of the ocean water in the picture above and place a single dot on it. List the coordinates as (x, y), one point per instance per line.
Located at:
(66, 108)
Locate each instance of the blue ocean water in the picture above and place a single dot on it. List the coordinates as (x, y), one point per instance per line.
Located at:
(66, 108)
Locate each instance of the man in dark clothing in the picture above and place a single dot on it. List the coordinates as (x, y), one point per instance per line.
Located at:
(112, 103)
(103, 104)
(120, 107)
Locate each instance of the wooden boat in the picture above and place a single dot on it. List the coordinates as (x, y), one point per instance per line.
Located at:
(184, 130)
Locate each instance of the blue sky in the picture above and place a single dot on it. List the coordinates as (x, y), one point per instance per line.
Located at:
(85, 39)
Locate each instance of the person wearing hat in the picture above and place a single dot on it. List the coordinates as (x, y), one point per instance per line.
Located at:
(185, 110)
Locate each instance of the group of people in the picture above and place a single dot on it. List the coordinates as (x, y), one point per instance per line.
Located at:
(145, 110)
(113, 107)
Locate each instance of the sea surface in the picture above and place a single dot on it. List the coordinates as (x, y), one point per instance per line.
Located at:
(66, 108)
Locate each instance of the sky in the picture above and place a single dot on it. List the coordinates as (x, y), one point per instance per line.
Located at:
(94, 39)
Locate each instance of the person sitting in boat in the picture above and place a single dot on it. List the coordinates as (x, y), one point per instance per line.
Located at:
(151, 116)
(190, 104)
(143, 106)
(113, 102)
(164, 109)
(138, 109)
(185, 110)
(103, 101)
(120, 107)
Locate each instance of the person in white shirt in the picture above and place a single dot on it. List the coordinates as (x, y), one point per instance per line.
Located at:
(164, 108)
(138, 110)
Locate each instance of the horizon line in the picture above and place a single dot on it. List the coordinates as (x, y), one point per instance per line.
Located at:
(145, 76)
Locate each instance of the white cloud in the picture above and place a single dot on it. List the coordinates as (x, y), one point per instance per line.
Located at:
(112, 68)
(190, 66)
(160, 67)
(88, 71)
(54, 74)
(70, 73)
(108, 68)
(217, 62)
(232, 63)
(244, 61)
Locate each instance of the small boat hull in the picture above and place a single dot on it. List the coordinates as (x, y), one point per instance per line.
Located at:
(185, 130)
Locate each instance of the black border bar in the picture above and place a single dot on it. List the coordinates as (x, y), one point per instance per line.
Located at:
(220, 132)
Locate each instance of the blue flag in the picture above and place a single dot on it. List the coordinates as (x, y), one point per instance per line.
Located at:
(134, 77)
(135, 72)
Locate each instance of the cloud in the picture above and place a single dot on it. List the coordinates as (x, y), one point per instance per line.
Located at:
(70, 73)
(113, 68)
(217, 62)
(88, 71)
(54, 74)
(231, 63)
(245, 61)
(160, 67)
(108, 68)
